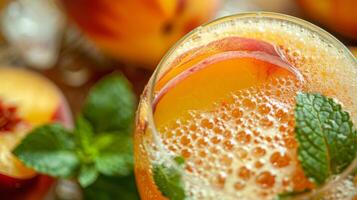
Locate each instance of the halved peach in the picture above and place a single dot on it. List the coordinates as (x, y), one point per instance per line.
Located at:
(27, 100)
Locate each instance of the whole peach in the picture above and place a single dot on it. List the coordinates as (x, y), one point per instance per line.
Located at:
(339, 15)
(27, 100)
(138, 31)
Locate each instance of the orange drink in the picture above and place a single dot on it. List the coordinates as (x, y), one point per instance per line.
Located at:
(223, 101)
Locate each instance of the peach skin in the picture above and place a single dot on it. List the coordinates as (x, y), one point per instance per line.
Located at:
(138, 31)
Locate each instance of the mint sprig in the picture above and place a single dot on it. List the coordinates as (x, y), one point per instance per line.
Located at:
(326, 136)
(99, 146)
(169, 179)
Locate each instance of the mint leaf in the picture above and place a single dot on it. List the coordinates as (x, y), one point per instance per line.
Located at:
(49, 150)
(87, 175)
(112, 188)
(84, 138)
(116, 157)
(110, 105)
(103, 140)
(326, 136)
(83, 132)
(169, 180)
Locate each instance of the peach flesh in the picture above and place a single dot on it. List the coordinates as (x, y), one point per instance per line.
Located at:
(37, 101)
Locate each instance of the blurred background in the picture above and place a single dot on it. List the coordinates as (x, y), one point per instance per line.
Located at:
(76, 42)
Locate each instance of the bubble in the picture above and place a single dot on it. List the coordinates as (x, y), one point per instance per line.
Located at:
(265, 180)
(279, 160)
(218, 130)
(258, 164)
(216, 139)
(202, 142)
(244, 173)
(228, 144)
(226, 160)
(258, 152)
(264, 109)
(248, 104)
(205, 123)
(243, 137)
(202, 153)
(221, 179)
(290, 142)
(266, 123)
(193, 127)
(237, 113)
(186, 153)
(185, 140)
(239, 185)
(241, 153)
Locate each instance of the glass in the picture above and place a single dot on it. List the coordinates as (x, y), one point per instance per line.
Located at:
(238, 155)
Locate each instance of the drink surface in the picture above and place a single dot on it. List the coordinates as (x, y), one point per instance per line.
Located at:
(227, 107)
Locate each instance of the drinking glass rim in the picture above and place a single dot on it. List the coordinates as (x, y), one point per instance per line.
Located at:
(326, 36)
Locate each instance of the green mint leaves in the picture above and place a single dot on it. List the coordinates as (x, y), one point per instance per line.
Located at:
(169, 180)
(326, 136)
(99, 151)
(49, 150)
(110, 105)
